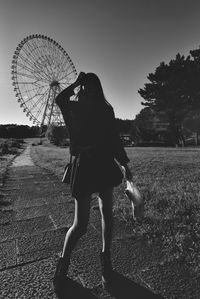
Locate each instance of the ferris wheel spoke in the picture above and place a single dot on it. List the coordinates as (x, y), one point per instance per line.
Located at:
(51, 71)
(48, 51)
(38, 67)
(63, 86)
(52, 46)
(39, 85)
(28, 62)
(26, 75)
(32, 60)
(28, 83)
(63, 75)
(66, 75)
(58, 68)
(63, 56)
(40, 110)
(59, 72)
(42, 54)
(33, 47)
(25, 82)
(25, 67)
(29, 54)
(57, 55)
(31, 77)
(55, 48)
(35, 96)
(58, 64)
(36, 89)
(38, 81)
(38, 101)
(32, 109)
(33, 68)
(28, 94)
(67, 81)
(42, 104)
(62, 69)
(30, 51)
(31, 98)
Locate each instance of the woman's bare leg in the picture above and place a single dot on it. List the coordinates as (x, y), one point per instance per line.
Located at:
(105, 205)
(79, 227)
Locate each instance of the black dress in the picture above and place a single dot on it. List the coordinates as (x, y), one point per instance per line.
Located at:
(94, 142)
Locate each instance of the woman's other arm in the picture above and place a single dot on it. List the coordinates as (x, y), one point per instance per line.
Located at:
(117, 146)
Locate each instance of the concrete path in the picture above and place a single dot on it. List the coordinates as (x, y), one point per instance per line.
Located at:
(35, 212)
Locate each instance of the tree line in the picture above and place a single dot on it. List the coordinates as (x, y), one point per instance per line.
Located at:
(18, 131)
(53, 132)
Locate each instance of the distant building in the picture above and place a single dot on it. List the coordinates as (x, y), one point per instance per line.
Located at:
(127, 139)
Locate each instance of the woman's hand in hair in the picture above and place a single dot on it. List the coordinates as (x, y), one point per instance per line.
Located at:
(80, 79)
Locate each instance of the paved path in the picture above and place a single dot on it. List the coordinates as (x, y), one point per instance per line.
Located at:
(35, 213)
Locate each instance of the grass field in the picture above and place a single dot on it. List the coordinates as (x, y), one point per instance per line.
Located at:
(169, 180)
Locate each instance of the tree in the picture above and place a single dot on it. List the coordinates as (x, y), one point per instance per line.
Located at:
(18, 131)
(124, 125)
(174, 89)
(143, 126)
(192, 122)
(151, 127)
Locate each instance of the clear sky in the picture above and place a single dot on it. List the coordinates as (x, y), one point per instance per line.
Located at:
(120, 41)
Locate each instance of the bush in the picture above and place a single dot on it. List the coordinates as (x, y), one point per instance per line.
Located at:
(10, 146)
(58, 135)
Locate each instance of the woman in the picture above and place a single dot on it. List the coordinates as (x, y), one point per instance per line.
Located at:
(95, 144)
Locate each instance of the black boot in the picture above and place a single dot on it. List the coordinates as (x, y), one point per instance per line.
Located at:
(106, 269)
(59, 279)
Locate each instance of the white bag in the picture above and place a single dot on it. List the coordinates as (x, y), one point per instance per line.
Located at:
(135, 198)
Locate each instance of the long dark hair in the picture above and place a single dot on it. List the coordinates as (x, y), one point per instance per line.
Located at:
(91, 80)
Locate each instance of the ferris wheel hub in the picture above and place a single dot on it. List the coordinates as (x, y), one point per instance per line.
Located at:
(54, 84)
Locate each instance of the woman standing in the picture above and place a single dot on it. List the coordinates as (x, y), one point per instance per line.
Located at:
(94, 144)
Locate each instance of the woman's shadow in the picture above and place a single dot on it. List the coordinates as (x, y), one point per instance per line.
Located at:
(124, 288)
(120, 288)
(73, 290)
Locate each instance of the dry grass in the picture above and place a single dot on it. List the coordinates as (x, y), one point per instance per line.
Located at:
(9, 148)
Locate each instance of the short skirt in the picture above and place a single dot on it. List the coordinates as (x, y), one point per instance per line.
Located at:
(92, 173)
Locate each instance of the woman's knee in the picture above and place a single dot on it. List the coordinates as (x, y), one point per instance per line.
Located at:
(106, 195)
(106, 199)
(81, 219)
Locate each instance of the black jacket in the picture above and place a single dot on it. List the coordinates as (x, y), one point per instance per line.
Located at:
(91, 124)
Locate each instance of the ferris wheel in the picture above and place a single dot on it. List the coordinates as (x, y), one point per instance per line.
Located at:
(41, 68)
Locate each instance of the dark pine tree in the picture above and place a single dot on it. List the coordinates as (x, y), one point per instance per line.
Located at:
(174, 89)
